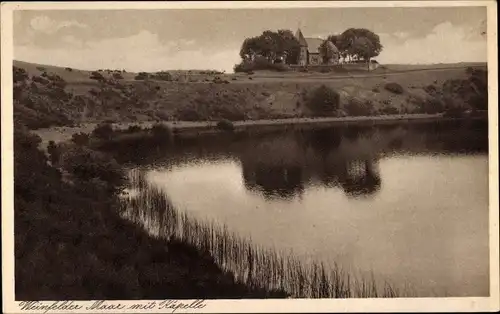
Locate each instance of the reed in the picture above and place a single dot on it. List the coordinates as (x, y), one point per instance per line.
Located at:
(251, 264)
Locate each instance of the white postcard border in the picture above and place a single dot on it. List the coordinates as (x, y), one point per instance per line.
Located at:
(268, 305)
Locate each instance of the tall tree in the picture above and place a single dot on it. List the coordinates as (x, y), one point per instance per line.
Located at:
(335, 39)
(328, 51)
(249, 48)
(271, 45)
(359, 43)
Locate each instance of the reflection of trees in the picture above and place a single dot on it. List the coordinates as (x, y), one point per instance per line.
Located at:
(274, 181)
(324, 140)
(275, 167)
(280, 168)
(361, 179)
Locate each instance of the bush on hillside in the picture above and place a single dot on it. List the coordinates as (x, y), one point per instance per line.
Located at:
(431, 89)
(41, 80)
(388, 109)
(57, 80)
(96, 76)
(80, 139)
(134, 128)
(394, 88)
(19, 74)
(323, 101)
(162, 76)
(68, 69)
(117, 76)
(41, 69)
(431, 106)
(356, 107)
(87, 165)
(103, 131)
(141, 76)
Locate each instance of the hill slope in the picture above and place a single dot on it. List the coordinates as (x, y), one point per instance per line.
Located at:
(49, 95)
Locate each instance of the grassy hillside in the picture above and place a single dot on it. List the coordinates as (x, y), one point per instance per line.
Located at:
(48, 95)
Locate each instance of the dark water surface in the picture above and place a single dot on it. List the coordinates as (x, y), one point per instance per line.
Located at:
(406, 203)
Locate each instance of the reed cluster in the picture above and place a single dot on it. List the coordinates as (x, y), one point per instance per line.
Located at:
(253, 265)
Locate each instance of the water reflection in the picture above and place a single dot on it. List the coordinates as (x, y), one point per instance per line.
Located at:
(274, 182)
(281, 167)
(392, 200)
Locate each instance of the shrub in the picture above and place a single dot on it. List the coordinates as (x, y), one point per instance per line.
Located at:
(225, 125)
(217, 80)
(96, 76)
(162, 76)
(40, 80)
(87, 165)
(376, 90)
(134, 128)
(389, 110)
(430, 89)
(68, 69)
(324, 101)
(41, 69)
(103, 131)
(117, 76)
(355, 107)
(19, 74)
(57, 80)
(431, 106)
(394, 88)
(80, 139)
(141, 76)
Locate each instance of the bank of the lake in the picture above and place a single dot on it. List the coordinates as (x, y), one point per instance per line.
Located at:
(197, 128)
(72, 244)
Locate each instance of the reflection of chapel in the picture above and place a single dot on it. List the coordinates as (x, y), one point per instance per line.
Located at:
(309, 50)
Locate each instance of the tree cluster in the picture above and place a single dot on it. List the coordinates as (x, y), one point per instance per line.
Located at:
(272, 45)
(354, 44)
(357, 44)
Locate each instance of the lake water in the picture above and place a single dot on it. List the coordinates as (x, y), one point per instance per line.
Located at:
(406, 204)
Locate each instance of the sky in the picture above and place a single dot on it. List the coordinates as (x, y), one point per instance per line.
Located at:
(166, 39)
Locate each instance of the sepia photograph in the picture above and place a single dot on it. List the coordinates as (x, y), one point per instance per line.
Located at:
(173, 157)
